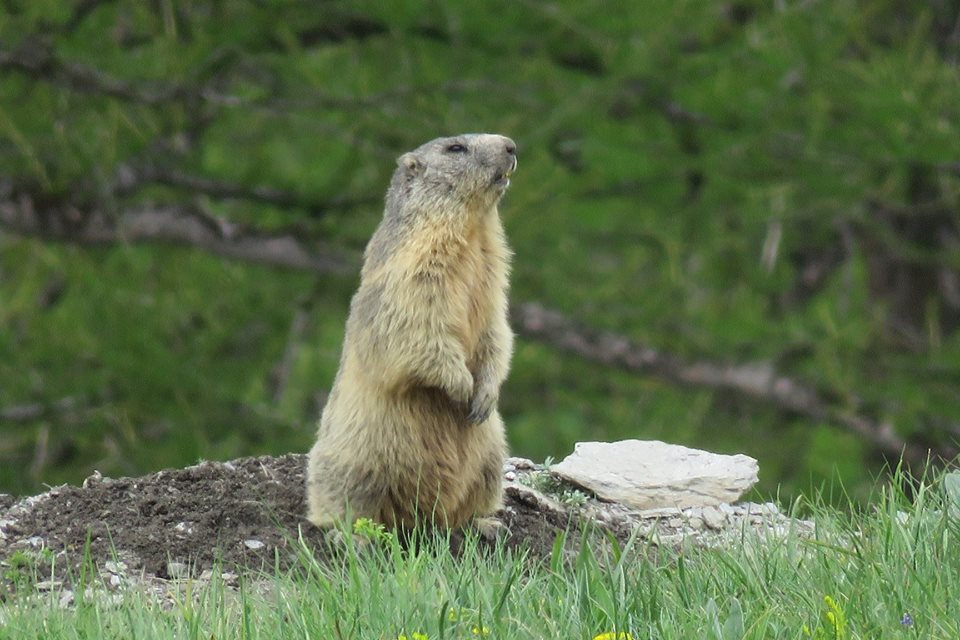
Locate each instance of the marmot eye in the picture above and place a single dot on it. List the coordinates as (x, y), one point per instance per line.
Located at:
(456, 148)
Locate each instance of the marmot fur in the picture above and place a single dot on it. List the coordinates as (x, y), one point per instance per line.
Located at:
(410, 433)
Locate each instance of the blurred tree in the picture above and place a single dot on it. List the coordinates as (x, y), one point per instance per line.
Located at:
(768, 193)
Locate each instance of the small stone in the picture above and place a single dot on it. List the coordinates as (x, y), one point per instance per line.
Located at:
(183, 527)
(664, 512)
(254, 544)
(726, 508)
(118, 568)
(115, 580)
(533, 498)
(771, 508)
(48, 585)
(177, 570)
(66, 599)
(651, 474)
(695, 523)
(521, 464)
(95, 478)
(714, 518)
(34, 541)
(510, 476)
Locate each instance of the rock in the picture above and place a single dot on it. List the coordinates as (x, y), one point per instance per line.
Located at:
(255, 545)
(48, 585)
(178, 570)
(532, 497)
(519, 464)
(713, 518)
(93, 479)
(653, 474)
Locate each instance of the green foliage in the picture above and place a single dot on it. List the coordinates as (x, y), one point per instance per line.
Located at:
(739, 181)
(554, 486)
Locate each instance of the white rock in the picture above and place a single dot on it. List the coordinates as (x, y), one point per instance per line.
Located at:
(652, 474)
(254, 544)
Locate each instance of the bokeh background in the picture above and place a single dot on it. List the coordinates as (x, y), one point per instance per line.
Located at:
(736, 223)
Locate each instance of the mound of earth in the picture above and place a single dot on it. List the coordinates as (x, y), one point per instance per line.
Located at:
(239, 515)
(247, 515)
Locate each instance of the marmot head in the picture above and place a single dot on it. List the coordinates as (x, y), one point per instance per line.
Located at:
(449, 174)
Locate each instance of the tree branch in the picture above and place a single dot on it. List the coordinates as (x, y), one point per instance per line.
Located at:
(760, 381)
(176, 224)
(34, 411)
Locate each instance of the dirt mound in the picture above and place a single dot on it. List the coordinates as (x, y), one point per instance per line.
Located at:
(240, 515)
(247, 514)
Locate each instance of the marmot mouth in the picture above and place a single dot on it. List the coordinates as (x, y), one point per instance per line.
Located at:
(503, 177)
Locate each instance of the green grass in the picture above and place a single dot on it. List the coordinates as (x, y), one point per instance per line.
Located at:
(890, 571)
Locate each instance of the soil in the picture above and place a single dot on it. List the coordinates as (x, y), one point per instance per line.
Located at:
(242, 515)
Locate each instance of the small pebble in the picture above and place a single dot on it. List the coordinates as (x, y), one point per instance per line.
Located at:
(510, 476)
(48, 585)
(177, 570)
(115, 567)
(95, 478)
(254, 544)
(713, 517)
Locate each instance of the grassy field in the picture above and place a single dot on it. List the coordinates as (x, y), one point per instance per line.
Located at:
(890, 571)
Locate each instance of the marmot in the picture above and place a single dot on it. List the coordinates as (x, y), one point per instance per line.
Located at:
(410, 433)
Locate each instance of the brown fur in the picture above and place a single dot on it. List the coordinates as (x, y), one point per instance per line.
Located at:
(410, 432)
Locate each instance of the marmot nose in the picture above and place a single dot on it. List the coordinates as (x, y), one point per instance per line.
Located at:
(510, 146)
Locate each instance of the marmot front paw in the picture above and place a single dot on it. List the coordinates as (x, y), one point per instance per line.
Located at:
(482, 404)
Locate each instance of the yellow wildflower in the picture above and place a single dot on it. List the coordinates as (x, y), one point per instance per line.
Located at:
(610, 635)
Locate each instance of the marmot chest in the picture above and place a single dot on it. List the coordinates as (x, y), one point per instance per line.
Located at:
(473, 271)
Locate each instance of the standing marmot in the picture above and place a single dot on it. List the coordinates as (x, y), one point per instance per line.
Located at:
(410, 432)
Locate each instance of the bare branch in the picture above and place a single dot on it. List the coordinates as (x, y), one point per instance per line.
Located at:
(760, 381)
(279, 374)
(37, 410)
(177, 224)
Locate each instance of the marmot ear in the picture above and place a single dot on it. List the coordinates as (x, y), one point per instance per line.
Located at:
(412, 166)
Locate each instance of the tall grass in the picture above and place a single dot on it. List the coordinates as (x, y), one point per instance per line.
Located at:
(891, 571)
